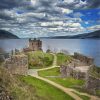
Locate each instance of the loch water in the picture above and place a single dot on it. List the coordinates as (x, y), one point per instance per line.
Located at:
(88, 47)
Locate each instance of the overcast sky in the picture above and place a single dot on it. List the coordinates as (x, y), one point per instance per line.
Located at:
(41, 18)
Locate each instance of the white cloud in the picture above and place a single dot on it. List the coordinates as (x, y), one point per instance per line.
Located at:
(94, 28)
(66, 11)
(33, 18)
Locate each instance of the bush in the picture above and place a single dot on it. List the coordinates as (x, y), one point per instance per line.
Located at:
(39, 59)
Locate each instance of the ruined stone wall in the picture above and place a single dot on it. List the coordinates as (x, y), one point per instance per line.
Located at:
(17, 64)
(69, 71)
(86, 60)
(92, 84)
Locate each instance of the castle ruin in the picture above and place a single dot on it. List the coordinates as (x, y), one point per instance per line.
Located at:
(34, 45)
(79, 69)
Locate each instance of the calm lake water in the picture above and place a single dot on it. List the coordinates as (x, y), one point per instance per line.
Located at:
(89, 47)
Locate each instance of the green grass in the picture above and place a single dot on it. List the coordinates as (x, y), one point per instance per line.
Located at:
(46, 90)
(84, 97)
(39, 59)
(50, 72)
(66, 82)
(98, 93)
(62, 58)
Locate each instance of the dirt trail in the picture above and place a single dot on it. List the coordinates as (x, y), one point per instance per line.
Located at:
(69, 91)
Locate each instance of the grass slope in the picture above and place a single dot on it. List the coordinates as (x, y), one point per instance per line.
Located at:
(66, 82)
(62, 58)
(46, 90)
(11, 87)
(27, 88)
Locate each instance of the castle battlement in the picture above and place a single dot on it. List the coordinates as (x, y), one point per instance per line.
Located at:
(34, 45)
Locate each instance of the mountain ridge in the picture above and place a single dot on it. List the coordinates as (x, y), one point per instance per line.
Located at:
(92, 35)
(7, 35)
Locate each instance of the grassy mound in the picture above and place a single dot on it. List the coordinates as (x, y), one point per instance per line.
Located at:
(62, 58)
(39, 59)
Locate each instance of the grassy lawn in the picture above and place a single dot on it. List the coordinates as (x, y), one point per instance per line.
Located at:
(45, 90)
(39, 59)
(82, 96)
(62, 58)
(66, 82)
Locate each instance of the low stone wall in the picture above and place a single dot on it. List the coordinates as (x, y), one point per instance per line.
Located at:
(17, 64)
(84, 59)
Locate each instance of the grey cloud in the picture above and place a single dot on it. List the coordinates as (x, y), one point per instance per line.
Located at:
(28, 23)
(8, 4)
(76, 4)
(93, 3)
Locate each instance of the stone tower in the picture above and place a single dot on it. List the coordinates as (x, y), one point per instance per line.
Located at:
(35, 44)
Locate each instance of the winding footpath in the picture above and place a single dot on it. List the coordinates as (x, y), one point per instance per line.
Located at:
(69, 91)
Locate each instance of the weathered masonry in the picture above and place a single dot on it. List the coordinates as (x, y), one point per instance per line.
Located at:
(75, 72)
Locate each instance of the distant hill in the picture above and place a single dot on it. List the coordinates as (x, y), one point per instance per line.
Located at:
(7, 35)
(94, 35)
